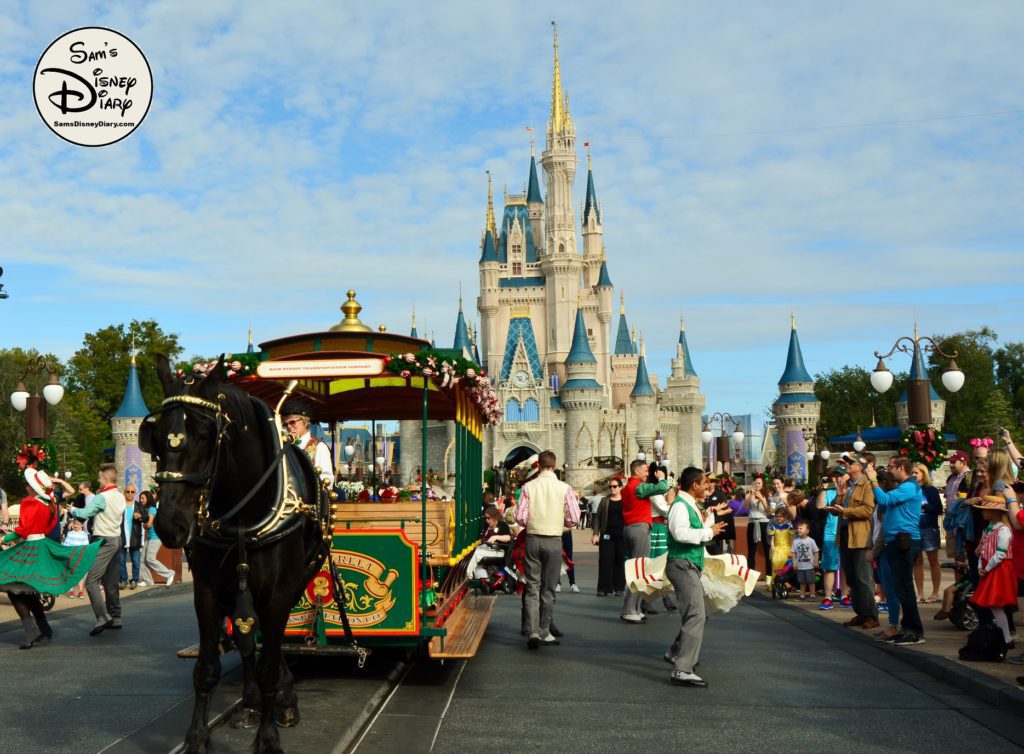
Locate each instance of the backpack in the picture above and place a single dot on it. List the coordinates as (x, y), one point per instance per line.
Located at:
(984, 644)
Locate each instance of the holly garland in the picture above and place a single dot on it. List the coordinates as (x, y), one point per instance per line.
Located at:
(235, 365)
(39, 455)
(448, 370)
(924, 444)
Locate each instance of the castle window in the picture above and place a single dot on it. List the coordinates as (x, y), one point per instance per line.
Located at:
(517, 268)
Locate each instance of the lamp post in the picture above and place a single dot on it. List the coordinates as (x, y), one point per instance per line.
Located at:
(722, 450)
(33, 404)
(350, 452)
(812, 438)
(859, 444)
(919, 396)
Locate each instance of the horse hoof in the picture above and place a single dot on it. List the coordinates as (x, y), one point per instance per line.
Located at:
(287, 717)
(246, 717)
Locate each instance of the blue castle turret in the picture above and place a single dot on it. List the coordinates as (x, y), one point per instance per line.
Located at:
(797, 409)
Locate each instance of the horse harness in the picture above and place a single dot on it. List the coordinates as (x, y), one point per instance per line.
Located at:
(286, 516)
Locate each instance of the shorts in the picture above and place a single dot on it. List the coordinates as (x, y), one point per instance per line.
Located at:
(830, 556)
(805, 576)
(930, 539)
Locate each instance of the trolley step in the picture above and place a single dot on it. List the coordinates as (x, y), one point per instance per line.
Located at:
(466, 626)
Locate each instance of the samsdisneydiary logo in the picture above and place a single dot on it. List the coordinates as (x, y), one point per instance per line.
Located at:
(93, 86)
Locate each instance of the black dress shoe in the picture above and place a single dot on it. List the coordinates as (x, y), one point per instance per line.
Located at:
(602, 594)
(533, 642)
(29, 644)
(555, 632)
(650, 611)
(697, 683)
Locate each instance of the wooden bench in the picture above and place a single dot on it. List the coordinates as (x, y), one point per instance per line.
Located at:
(391, 515)
(466, 627)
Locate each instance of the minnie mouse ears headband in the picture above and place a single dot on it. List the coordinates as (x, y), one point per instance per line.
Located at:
(982, 442)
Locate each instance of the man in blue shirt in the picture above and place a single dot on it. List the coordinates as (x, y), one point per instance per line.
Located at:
(902, 509)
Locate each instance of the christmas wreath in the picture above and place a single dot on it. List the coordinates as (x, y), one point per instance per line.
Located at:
(235, 365)
(924, 444)
(42, 456)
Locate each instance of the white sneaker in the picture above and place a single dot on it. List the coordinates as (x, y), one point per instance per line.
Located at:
(170, 580)
(574, 588)
(143, 583)
(558, 587)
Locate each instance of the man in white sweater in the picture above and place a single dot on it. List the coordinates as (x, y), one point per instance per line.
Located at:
(106, 509)
(547, 506)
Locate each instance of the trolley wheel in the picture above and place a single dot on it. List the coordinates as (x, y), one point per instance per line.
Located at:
(47, 601)
(508, 586)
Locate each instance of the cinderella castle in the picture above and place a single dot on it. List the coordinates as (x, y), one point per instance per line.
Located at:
(570, 378)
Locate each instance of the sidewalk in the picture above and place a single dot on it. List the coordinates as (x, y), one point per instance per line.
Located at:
(943, 638)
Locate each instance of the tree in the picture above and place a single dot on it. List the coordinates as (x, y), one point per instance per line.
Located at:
(1010, 376)
(100, 367)
(848, 401)
(966, 415)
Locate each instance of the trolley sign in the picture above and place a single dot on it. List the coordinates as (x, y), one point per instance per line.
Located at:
(362, 367)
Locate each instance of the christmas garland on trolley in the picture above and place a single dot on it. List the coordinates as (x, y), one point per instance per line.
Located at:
(924, 444)
(448, 370)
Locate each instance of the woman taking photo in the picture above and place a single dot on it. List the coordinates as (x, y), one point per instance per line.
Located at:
(757, 524)
(607, 535)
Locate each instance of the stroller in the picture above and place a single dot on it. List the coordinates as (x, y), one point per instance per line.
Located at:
(962, 614)
(784, 581)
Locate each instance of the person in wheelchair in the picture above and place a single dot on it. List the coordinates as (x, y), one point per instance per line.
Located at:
(495, 546)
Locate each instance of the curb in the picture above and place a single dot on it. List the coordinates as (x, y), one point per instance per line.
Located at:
(1000, 695)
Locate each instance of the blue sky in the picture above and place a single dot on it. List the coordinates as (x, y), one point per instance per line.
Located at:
(858, 163)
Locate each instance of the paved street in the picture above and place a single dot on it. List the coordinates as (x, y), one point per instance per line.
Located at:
(780, 678)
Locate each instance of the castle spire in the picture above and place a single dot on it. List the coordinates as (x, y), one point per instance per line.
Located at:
(580, 351)
(492, 227)
(623, 344)
(642, 386)
(590, 204)
(533, 190)
(412, 332)
(132, 406)
(559, 103)
(795, 369)
(250, 348)
(689, 371)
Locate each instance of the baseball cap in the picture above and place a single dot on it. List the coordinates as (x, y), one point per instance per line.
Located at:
(838, 470)
(958, 455)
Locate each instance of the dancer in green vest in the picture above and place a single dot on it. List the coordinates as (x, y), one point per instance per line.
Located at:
(688, 533)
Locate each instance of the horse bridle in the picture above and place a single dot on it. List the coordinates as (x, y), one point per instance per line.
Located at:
(206, 411)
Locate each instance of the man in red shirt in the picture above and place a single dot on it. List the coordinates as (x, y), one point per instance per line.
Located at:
(636, 516)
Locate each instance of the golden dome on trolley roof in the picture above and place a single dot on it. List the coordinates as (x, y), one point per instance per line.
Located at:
(351, 323)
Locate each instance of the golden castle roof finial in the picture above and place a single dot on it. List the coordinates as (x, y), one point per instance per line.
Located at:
(792, 319)
(590, 159)
(414, 315)
(622, 302)
(559, 104)
(682, 321)
(643, 348)
(491, 226)
(351, 323)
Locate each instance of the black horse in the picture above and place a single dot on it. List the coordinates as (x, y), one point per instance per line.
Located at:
(250, 512)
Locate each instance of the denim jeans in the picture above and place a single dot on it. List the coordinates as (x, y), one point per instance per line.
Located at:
(901, 565)
(136, 556)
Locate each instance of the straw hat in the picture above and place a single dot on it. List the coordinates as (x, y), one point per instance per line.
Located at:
(991, 503)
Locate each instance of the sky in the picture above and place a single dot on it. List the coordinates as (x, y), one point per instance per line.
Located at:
(858, 164)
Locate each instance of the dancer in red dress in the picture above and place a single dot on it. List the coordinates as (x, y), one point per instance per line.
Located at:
(35, 563)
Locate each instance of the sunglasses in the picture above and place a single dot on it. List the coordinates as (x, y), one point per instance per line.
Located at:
(290, 422)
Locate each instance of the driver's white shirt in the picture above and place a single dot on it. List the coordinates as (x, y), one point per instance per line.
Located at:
(322, 457)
